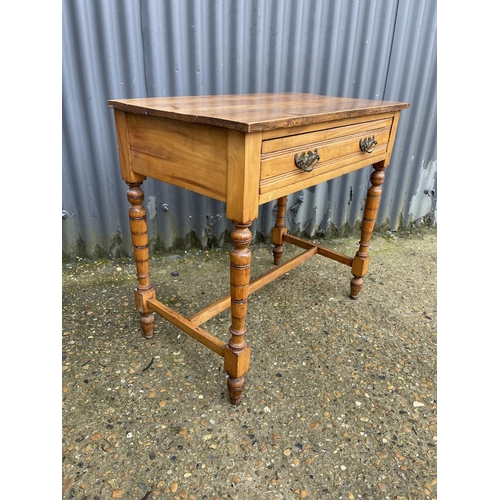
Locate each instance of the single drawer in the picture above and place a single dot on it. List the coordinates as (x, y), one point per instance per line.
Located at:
(292, 161)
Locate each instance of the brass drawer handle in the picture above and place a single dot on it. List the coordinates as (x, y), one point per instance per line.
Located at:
(368, 144)
(307, 161)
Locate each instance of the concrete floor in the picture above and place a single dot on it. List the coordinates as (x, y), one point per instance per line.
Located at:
(339, 402)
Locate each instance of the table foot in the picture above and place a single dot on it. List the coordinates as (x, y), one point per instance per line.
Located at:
(148, 325)
(277, 254)
(356, 284)
(235, 389)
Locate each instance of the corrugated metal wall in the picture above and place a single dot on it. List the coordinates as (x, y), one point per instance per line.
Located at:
(377, 49)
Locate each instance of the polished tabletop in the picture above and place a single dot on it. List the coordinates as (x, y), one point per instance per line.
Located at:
(256, 112)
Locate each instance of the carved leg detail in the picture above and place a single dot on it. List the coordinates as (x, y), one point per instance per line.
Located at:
(362, 259)
(278, 230)
(139, 231)
(237, 352)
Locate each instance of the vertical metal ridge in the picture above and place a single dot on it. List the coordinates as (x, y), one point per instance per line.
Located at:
(385, 49)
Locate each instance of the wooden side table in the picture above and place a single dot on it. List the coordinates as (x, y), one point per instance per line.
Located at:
(246, 150)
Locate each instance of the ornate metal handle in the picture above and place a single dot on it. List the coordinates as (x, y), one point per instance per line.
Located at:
(368, 144)
(307, 161)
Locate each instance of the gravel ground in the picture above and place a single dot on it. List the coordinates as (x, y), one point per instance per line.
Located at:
(340, 399)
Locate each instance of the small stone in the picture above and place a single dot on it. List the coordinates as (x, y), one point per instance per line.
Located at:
(67, 484)
(111, 438)
(117, 493)
(287, 452)
(314, 425)
(381, 486)
(174, 273)
(173, 487)
(343, 467)
(417, 404)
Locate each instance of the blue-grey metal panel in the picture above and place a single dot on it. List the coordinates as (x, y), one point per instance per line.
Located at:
(382, 49)
(411, 194)
(102, 56)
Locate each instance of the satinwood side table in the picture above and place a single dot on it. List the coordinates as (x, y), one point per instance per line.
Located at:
(246, 150)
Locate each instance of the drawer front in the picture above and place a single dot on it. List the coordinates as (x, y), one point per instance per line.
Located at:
(338, 149)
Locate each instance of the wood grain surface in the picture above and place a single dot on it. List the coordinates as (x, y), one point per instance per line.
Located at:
(256, 112)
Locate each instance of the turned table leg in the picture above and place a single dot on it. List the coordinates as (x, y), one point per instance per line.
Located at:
(361, 260)
(139, 231)
(279, 230)
(237, 351)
